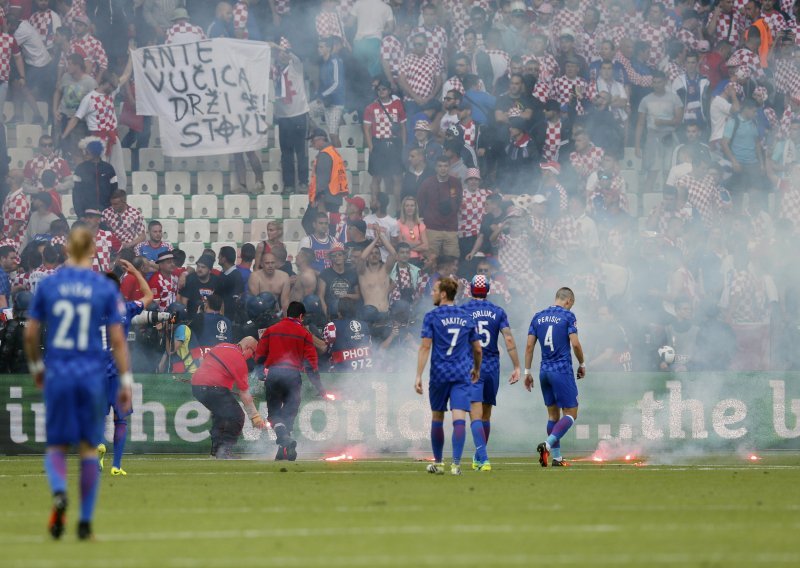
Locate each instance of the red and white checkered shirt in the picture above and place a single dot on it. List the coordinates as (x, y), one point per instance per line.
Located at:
(437, 42)
(283, 7)
(747, 299)
(459, 13)
(127, 225)
(730, 27)
(632, 76)
(568, 19)
(455, 84)
(673, 71)
(548, 66)
(565, 237)
(420, 72)
(750, 60)
(790, 204)
(21, 281)
(703, 194)
(663, 216)
(78, 8)
(100, 115)
(329, 24)
(587, 163)
(241, 13)
(375, 117)
(615, 33)
(46, 23)
(787, 76)
(688, 39)
(786, 120)
(586, 44)
(15, 208)
(392, 52)
(38, 275)
(514, 254)
(106, 245)
(552, 141)
(8, 49)
(93, 53)
(656, 37)
(165, 289)
(776, 23)
(562, 88)
(184, 32)
(41, 163)
(470, 216)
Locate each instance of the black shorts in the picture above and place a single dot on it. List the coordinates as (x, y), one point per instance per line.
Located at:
(386, 158)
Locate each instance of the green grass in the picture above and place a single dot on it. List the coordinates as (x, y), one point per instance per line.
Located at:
(182, 512)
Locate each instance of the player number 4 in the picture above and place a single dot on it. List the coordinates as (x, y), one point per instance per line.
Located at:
(548, 338)
(454, 340)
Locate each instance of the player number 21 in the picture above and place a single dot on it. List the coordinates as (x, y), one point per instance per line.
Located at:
(548, 338)
(65, 310)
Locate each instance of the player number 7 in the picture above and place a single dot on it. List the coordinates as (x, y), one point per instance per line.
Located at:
(453, 341)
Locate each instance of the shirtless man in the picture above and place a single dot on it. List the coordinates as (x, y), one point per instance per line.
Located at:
(269, 279)
(373, 273)
(305, 282)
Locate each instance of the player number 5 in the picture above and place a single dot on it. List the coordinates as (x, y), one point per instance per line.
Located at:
(454, 340)
(484, 333)
(548, 338)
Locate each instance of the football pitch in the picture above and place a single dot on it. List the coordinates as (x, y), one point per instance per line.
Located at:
(188, 512)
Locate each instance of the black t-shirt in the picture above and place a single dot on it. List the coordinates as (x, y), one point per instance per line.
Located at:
(338, 285)
(231, 288)
(506, 102)
(486, 230)
(194, 291)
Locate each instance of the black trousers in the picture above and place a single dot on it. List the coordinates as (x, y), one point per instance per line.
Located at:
(294, 149)
(227, 417)
(283, 387)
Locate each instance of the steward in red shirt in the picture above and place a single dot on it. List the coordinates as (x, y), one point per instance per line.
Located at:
(212, 384)
(286, 348)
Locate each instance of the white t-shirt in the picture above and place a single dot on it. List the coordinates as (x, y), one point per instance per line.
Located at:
(389, 223)
(372, 17)
(720, 111)
(30, 42)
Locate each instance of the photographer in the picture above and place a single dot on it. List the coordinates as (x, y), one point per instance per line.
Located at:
(12, 354)
(348, 340)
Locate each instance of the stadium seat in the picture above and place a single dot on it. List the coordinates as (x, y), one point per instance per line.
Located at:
(144, 183)
(650, 200)
(28, 135)
(366, 159)
(269, 206)
(293, 230)
(350, 157)
(364, 182)
(151, 160)
(258, 229)
(197, 230)
(210, 183)
(631, 178)
(236, 206)
(155, 133)
(184, 164)
(273, 182)
(172, 229)
(217, 163)
(633, 204)
(230, 230)
(171, 206)
(8, 111)
(67, 208)
(352, 136)
(219, 244)
(297, 206)
(178, 183)
(275, 159)
(630, 161)
(204, 206)
(193, 251)
(126, 159)
(19, 157)
(291, 248)
(143, 203)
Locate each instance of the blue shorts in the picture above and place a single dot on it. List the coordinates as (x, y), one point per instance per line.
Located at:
(559, 389)
(112, 389)
(457, 393)
(485, 390)
(75, 401)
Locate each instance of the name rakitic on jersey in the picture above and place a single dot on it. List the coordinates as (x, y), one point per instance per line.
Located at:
(454, 321)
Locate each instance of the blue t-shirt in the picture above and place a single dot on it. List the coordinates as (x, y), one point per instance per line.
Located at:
(489, 320)
(74, 307)
(552, 328)
(132, 309)
(5, 286)
(452, 330)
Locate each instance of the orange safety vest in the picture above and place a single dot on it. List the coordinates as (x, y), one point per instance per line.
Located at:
(338, 183)
(766, 41)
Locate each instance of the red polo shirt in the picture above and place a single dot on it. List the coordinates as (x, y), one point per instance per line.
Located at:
(287, 344)
(222, 366)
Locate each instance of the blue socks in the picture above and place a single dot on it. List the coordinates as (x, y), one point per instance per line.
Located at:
(559, 429)
(90, 477)
(120, 437)
(487, 427)
(437, 440)
(55, 465)
(555, 448)
(479, 437)
(459, 437)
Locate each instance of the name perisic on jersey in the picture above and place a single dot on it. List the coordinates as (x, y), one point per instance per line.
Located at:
(548, 319)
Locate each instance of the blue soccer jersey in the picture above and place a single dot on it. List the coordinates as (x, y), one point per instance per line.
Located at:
(489, 321)
(552, 328)
(452, 331)
(74, 306)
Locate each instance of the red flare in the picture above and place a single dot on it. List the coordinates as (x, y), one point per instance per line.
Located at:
(628, 457)
(329, 396)
(341, 457)
(754, 457)
(597, 459)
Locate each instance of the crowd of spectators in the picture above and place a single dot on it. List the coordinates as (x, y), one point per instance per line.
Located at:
(643, 153)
